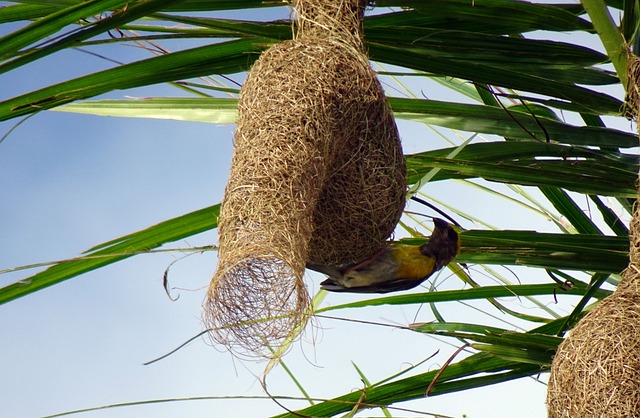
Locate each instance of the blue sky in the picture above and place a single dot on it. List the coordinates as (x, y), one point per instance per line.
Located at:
(69, 182)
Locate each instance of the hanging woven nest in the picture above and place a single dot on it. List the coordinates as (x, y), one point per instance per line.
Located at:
(596, 370)
(317, 177)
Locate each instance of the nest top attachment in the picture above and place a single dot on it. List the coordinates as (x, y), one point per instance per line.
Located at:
(341, 20)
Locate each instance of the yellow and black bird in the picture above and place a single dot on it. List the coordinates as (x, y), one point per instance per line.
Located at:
(396, 266)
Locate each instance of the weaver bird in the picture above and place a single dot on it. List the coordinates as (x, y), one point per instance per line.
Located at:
(396, 266)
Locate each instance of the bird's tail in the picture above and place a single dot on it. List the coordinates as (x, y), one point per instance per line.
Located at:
(329, 271)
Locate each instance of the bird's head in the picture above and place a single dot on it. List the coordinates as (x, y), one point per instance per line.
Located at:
(443, 244)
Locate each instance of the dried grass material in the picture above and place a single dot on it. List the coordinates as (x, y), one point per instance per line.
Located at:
(632, 101)
(317, 176)
(337, 19)
(596, 371)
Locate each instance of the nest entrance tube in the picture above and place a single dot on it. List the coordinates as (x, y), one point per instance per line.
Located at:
(253, 303)
(317, 177)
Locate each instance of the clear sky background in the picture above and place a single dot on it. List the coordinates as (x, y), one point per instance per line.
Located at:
(69, 182)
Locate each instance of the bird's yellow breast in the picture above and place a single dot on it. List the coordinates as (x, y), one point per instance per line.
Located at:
(412, 264)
